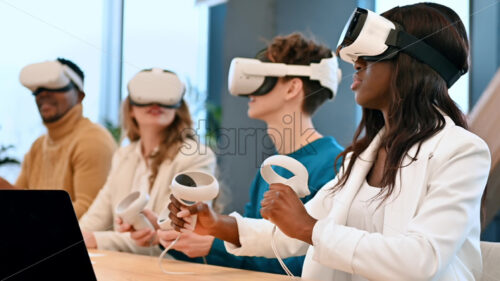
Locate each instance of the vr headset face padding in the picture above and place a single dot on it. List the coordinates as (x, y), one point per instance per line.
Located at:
(156, 86)
(269, 82)
(239, 82)
(373, 38)
(267, 86)
(361, 35)
(49, 75)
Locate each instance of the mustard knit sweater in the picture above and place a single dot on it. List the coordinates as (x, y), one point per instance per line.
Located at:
(75, 155)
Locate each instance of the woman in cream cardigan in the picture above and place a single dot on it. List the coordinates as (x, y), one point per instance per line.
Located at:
(406, 202)
(162, 145)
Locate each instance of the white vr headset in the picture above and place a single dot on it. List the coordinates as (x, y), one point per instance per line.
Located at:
(254, 77)
(374, 38)
(52, 76)
(156, 86)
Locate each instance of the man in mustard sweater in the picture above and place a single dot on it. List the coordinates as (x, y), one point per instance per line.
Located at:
(75, 154)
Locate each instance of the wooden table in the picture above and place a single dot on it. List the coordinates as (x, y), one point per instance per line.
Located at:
(114, 266)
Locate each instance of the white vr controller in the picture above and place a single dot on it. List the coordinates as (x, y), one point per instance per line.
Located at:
(190, 187)
(130, 210)
(298, 182)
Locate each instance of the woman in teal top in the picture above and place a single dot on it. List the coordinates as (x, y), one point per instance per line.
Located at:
(286, 105)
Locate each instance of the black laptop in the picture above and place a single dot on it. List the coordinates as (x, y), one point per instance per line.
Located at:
(40, 238)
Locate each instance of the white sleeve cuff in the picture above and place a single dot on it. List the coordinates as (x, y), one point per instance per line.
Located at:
(252, 232)
(334, 244)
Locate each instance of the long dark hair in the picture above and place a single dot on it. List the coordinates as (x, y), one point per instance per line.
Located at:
(419, 96)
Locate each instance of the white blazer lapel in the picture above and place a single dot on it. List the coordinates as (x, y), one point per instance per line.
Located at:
(358, 174)
(410, 186)
(161, 186)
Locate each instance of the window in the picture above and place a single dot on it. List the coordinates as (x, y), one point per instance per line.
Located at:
(35, 31)
(169, 34)
(172, 35)
(459, 92)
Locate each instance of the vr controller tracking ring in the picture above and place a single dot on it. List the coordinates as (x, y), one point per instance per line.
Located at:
(187, 187)
(298, 183)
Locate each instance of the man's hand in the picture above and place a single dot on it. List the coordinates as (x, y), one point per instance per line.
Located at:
(4, 184)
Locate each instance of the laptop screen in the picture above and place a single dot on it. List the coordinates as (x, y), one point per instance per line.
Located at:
(40, 238)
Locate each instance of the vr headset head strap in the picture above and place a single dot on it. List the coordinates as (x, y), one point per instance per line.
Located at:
(363, 36)
(75, 78)
(418, 49)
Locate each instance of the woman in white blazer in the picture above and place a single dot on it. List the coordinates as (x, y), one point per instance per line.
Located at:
(157, 122)
(406, 203)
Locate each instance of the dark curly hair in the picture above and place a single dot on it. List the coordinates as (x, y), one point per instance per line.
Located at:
(295, 48)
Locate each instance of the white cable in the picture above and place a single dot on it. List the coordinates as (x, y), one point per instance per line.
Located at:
(188, 187)
(278, 256)
(298, 183)
(163, 255)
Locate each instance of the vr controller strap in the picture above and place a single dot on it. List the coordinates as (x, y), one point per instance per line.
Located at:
(160, 259)
(278, 255)
(298, 183)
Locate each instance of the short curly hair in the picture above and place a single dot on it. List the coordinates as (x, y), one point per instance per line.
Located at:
(295, 48)
(73, 66)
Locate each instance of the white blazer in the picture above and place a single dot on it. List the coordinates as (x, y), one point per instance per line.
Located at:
(431, 222)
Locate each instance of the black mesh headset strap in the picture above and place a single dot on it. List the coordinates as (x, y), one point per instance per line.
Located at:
(418, 49)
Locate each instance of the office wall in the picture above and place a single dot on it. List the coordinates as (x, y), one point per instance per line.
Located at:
(248, 25)
(325, 19)
(242, 141)
(485, 45)
(217, 23)
(485, 57)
